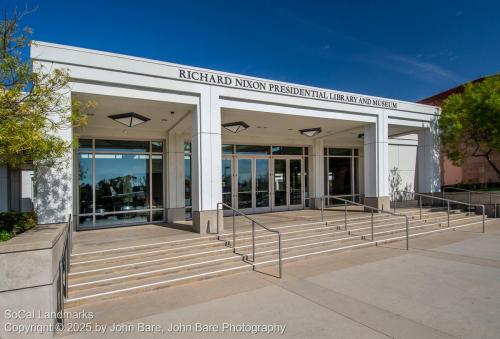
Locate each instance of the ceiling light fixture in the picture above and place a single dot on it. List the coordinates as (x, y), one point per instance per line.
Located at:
(130, 119)
(235, 127)
(310, 132)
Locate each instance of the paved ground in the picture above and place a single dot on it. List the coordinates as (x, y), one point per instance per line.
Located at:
(446, 286)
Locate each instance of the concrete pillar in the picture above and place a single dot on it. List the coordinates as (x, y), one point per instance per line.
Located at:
(317, 172)
(54, 184)
(176, 178)
(206, 164)
(428, 168)
(376, 163)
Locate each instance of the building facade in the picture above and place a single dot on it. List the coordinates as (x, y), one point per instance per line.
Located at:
(167, 142)
(474, 170)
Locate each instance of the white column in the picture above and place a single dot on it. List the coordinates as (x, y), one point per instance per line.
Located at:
(176, 178)
(54, 185)
(428, 166)
(206, 163)
(317, 172)
(376, 163)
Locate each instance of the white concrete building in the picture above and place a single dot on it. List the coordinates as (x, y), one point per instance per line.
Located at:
(181, 156)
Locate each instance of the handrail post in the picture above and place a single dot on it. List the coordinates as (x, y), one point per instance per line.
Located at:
(234, 235)
(253, 241)
(407, 234)
(448, 203)
(420, 206)
(217, 211)
(322, 208)
(279, 255)
(345, 214)
(483, 218)
(469, 203)
(372, 224)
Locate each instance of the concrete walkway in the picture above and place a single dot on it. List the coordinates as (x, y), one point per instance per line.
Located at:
(446, 286)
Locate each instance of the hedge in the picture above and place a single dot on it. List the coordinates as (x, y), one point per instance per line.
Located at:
(17, 222)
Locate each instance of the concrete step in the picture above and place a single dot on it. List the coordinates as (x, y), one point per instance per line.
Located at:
(138, 284)
(126, 270)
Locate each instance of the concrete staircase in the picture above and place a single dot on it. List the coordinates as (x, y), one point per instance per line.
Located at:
(121, 271)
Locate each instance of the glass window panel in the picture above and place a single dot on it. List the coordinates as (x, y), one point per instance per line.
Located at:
(85, 145)
(122, 219)
(252, 149)
(85, 221)
(262, 182)
(295, 182)
(157, 146)
(340, 151)
(157, 215)
(85, 176)
(280, 182)
(287, 150)
(244, 183)
(226, 175)
(189, 213)
(227, 149)
(356, 152)
(122, 182)
(306, 150)
(187, 180)
(121, 146)
(187, 147)
(339, 176)
(157, 181)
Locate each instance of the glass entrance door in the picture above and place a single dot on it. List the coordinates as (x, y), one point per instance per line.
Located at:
(287, 184)
(252, 185)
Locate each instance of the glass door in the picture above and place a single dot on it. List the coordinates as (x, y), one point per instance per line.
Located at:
(261, 190)
(295, 185)
(288, 184)
(245, 183)
(280, 185)
(227, 182)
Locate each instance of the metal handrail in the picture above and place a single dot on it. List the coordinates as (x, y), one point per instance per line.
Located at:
(472, 192)
(323, 201)
(448, 201)
(64, 264)
(371, 208)
(254, 222)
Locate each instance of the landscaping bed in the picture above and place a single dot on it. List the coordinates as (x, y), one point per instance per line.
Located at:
(13, 223)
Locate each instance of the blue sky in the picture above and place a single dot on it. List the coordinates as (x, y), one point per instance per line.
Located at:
(399, 49)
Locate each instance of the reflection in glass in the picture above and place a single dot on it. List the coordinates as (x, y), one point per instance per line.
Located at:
(279, 182)
(187, 180)
(262, 182)
(295, 182)
(339, 176)
(287, 150)
(252, 149)
(156, 146)
(244, 183)
(85, 177)
(157, 181)
(121, 146)
(121, 182)
(121, 218)
(226, 182)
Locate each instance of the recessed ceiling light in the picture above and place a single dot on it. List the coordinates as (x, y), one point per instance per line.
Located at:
(172, 112)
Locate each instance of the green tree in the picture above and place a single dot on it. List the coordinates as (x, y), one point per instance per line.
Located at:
(470, 122)
(33, 102)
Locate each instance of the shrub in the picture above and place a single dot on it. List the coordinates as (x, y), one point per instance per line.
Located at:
(17, 222)
(4, 235)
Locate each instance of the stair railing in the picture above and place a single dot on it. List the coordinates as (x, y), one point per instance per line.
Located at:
(470, 192)
(445, 201)
(372, 210)
(254, 223)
